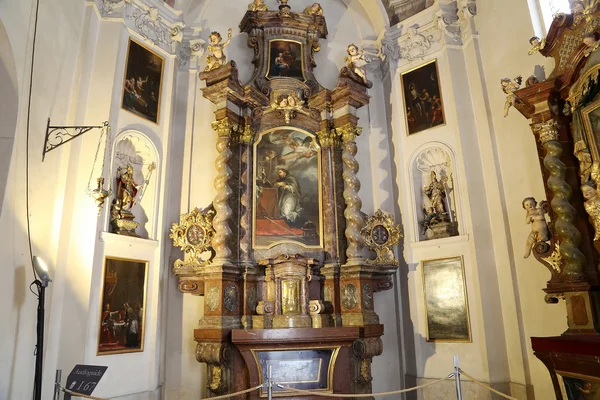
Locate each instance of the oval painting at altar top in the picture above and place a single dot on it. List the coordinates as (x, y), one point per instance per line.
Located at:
(287, 189)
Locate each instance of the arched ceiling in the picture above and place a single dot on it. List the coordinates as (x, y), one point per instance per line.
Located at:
(370, 15)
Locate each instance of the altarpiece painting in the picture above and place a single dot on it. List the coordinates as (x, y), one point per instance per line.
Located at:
(287, 188)
(422, 98)
(285, 60)
(142, 82)
(123, 306)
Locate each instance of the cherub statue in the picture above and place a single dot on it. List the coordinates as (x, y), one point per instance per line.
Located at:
(258, 5)
(355, 61)
(592, 205)
(539, 227)
(591, 42)
(510, 87)
(217, 58)
(537, 44)
(314, 9)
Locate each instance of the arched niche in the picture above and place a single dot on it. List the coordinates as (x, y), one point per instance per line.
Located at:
(434, 193)
(8, 107)
(132, 147)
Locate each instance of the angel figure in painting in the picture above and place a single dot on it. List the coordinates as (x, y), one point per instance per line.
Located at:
(355, 61)
(314, 9)
(592, 206)
(539, 226)
(258, 5)
(537, 44)
(217, 58)
(510, 87)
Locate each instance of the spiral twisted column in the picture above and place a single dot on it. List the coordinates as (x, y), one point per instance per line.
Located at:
(568, 234)
(246, 194)
(222, 236)
(354, 219)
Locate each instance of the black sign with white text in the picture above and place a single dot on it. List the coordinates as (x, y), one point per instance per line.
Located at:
(83, 379)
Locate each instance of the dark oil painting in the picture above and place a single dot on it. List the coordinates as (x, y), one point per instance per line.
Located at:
(423, 104)
(142, 82)
(123, 302)
(578, 387)
(287, 189)
(285, 60)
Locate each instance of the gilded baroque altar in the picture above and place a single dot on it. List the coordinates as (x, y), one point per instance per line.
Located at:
(279, 256)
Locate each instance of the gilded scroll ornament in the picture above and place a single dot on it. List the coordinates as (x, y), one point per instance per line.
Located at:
(194, 234)
(380, 234)
(510, 87)
(349, 296)
(217, 57)
(539, 227)
(212, 298)
(230, 300)
(555, 260)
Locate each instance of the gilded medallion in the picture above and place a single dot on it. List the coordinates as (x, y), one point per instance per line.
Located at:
(349, 296)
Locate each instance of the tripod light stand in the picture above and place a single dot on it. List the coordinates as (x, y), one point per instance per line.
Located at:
(41, 271)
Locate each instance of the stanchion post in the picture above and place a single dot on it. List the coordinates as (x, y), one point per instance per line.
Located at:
(269, 383)
(457, 378)
(57, 380)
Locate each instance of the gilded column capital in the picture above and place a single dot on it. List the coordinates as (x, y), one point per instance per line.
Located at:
(328, 138)
(348, 132)
(247, 135)
(224, 127)
(546, 131)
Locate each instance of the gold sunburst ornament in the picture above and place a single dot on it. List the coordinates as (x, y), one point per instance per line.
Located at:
(381, 234)
(194, 234)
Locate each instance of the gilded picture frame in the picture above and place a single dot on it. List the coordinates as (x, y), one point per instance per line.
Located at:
(577, 386)
(142, 82)
(591, 123)
(286, 60)
(422, 98)
(287, 206)
(123, 305)
(304, 368)
(446, 302)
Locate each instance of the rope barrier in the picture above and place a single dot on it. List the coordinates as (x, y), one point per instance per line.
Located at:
(211, 398)
(486, 386)
(368, 394)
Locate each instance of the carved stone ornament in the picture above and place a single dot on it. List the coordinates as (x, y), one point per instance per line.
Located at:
(212, 298)
(381, 234)
(231, 298)
(349, 296)
(287, 107)
(194, 234)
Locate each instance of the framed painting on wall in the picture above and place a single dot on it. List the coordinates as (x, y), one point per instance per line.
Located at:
(287, 189)
(285, 60)
(576, 386)
(142, 82)
(423, 106)
(446, 305)
(123, 305)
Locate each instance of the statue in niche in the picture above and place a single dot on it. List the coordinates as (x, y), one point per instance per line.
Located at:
(438, 219)
(591, 42)
(258, 5)
(217, 58)
(539, 226)
(510, 87)
(121, 218)
(314, 9)
(592, 206)
(537, 44)
(355, 61)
